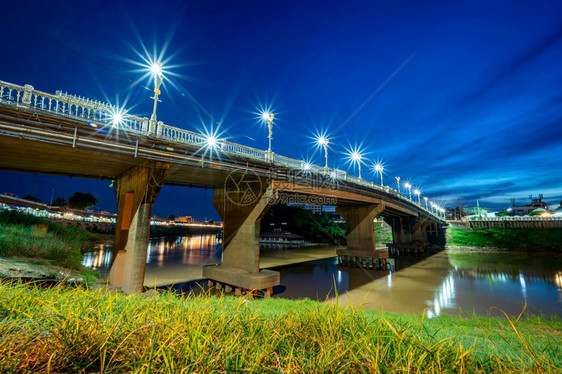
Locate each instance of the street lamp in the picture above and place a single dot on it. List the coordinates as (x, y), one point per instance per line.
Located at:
(379, 169)
(409, 187)
(356, 157)
(425, 198)
(156, 70)
(268, 117)
(323, 141)
(432, 206)
(417, 192)
(398, 183)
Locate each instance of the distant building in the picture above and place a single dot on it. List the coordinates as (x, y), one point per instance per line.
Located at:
(278, 237)
(526, 209)
(184, 219)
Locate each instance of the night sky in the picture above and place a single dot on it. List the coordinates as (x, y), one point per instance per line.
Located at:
(464, 99)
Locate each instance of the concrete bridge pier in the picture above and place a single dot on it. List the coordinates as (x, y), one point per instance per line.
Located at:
(410, 235)
(360, 234)
(436, 234)
(241, 246)
(420, 229)
(136, 191)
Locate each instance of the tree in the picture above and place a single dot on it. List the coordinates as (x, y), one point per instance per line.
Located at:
(82, 201)
(32, 198)
(59, 201)
(171, 217)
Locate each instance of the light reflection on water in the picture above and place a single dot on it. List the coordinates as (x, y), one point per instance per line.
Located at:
(480, 283)
(187, 250)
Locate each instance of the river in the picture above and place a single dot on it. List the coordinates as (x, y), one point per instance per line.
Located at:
(449, 282)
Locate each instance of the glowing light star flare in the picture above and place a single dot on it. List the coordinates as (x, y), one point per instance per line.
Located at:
(267, 116)
(211, 141)
(156, 68)
(117, 118)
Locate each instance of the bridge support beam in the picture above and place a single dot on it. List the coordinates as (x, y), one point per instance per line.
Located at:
(136, 191)
(241, 245)
(359, 228)
(411, 235)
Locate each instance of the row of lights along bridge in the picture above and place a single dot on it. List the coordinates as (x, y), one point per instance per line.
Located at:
(355, 157)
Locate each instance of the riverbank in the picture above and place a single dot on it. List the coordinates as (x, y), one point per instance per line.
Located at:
(78, 330)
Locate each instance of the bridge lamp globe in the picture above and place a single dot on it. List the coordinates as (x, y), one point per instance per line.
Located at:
(409, 187)
(379, 169)
(156, 69)
(211, 142)
(356, 157)
(117, 119)
(323, 142)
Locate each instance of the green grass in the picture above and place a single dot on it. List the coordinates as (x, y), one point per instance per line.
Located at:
(512, 238)
(29, 236)
(78, 330)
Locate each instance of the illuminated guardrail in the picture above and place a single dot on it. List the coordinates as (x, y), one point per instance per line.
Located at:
(81, 108)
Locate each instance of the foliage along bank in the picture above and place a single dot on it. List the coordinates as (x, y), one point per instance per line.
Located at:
(506, 238)
(24, 235)
(315, 228)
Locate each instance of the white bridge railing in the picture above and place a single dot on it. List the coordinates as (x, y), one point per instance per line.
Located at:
(103, 114)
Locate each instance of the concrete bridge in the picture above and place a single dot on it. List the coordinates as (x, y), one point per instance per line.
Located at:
(69, 135)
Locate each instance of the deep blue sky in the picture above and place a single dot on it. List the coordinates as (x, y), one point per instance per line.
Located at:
(462, 98)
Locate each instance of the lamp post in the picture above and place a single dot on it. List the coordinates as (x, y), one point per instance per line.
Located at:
(409, 187)
(425, 198)
(356, 157)
(268, 117)
(323, 141)
(398, 183)
(156, 70)
(417, 192)
(432, 206)
(379, 169)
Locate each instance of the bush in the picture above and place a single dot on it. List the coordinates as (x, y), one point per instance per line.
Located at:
(29, 236)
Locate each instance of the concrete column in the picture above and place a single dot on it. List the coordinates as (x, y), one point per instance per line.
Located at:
(136, 191)
(359, 229)
(398, 232)
(241, 212)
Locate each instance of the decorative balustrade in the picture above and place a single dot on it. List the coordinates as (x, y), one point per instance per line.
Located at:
(103, 114)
